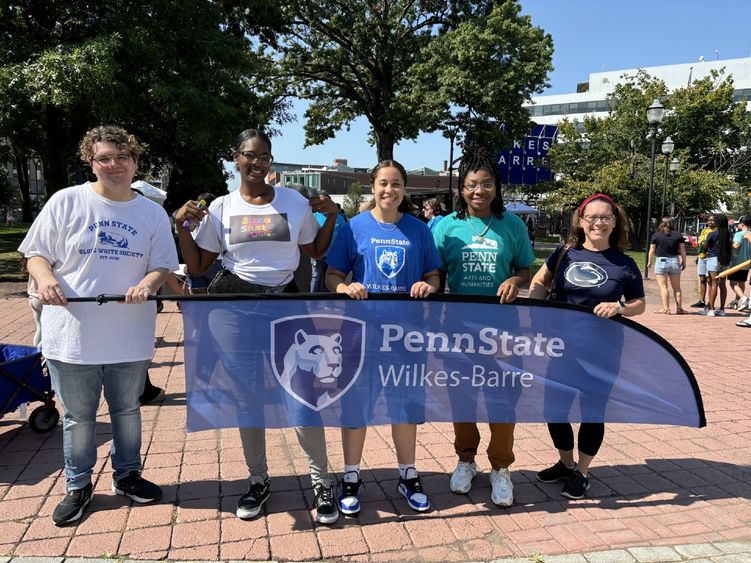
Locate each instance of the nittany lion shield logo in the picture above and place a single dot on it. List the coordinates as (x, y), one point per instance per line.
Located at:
(317, 358)
(389, 259)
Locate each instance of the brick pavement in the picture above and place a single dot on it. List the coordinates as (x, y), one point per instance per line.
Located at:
(658, 493)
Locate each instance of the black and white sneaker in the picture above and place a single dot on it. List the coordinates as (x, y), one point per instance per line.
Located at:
(72, 507)
(576, 487)
(137, 488)
(326, 511)
(251, 502)
(558, 472)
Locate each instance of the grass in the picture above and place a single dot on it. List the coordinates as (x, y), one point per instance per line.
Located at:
(10, 258)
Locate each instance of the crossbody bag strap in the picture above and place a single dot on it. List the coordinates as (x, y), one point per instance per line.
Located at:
(564, 250)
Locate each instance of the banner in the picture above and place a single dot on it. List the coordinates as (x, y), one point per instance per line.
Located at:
(525, 162)
(281, 361)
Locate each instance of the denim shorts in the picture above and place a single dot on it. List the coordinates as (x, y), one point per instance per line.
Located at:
(701, 266)
(667, 265)
(713, 264)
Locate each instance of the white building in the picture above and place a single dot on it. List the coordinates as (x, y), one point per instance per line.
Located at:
(591, 98)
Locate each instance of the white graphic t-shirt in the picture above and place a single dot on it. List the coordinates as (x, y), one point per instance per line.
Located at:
(99, 246)
(260, 242)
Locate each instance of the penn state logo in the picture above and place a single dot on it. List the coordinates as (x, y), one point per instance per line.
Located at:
(317, 358)
(389, 260)
(113, 239)
(585, 274)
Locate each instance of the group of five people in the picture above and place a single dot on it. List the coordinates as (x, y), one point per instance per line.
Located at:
(116, 242)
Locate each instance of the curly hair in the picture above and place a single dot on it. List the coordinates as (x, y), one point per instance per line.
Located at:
(108, 134)
(474, 158)
(618, 238)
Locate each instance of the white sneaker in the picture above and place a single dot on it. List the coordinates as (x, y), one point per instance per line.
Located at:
(709, 312)
(743, 304)
(503, 488)
(461, 479)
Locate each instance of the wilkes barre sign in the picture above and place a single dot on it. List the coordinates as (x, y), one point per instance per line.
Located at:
(280, 361)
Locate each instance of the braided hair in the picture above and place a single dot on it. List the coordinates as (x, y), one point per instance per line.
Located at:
(475, 157)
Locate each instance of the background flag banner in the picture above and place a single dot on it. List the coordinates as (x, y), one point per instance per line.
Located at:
(282, 361)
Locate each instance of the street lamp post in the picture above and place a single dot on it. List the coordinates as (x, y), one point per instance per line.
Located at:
(675, 164)
(452, 128)
(655, 113)
(667, 149)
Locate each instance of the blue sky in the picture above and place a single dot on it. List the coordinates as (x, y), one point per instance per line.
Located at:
(589, 36)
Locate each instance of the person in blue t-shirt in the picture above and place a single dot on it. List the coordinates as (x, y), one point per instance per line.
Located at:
(318, 267)
(595, 272)
(388, 251)
(485, 251)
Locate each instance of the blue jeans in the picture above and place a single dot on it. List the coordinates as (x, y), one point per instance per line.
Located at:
(79, 388)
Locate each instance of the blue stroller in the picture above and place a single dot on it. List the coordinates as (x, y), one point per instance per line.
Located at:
(23, 379)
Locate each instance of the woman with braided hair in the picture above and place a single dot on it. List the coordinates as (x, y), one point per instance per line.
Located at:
(483, 251)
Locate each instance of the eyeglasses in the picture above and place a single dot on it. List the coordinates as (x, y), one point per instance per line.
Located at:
(115, 158)
(253, 157)
(604, 219)
(486, 186)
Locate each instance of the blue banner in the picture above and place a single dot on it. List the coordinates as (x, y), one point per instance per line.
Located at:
(281, 361)
(524, 163)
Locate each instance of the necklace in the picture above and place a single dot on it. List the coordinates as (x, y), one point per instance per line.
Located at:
(479, 237)
(381, 225)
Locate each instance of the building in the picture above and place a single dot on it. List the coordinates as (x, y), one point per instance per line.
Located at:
(591, 97)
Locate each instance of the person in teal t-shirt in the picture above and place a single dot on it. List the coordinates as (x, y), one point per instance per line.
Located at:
(484, 251)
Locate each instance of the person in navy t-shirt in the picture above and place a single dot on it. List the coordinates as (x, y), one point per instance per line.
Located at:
(594, 271)
(388, 251)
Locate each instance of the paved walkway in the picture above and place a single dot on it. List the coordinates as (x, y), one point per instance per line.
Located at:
(658, 493)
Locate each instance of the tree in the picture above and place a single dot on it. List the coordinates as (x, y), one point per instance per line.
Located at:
(394, 62)
(185, 81)
(351, 204)
(612, 154)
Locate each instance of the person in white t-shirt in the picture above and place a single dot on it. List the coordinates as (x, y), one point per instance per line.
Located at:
(92, 239)
(259, 229)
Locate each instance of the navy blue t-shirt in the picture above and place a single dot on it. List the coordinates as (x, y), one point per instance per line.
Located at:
(586, 277)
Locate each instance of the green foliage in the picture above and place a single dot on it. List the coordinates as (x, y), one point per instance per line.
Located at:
(351, 204)
(613, 154)
(184, 78)
(403, 64)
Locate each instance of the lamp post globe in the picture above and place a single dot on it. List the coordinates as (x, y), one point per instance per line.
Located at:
(655, 113)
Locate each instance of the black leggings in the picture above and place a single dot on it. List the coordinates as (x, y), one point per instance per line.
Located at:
(591, 435)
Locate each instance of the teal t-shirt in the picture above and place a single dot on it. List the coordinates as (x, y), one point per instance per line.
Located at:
(743, 252)
(478, 259)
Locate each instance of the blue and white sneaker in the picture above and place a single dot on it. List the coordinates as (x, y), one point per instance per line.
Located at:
(411, 489)
(349, 494)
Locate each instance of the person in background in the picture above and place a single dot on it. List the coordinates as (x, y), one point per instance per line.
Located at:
(719, 250)
(741, 253)
(404, 261)
(481, 234)
(92, 239)
(667, 252)
(198, 284)
(318, 267)
(597, 243)
(431, 208)
(701, 262)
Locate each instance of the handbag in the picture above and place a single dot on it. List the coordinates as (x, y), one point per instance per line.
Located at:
(550, 290)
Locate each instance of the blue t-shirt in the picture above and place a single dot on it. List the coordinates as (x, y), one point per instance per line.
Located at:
(340, 222)
(586, 277)
(384, 257)
(433, 223)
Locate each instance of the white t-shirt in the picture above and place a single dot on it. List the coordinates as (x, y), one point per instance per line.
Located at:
(99, 246)
(259, 242)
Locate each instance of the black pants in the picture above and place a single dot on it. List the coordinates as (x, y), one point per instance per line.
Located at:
(591, 435)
